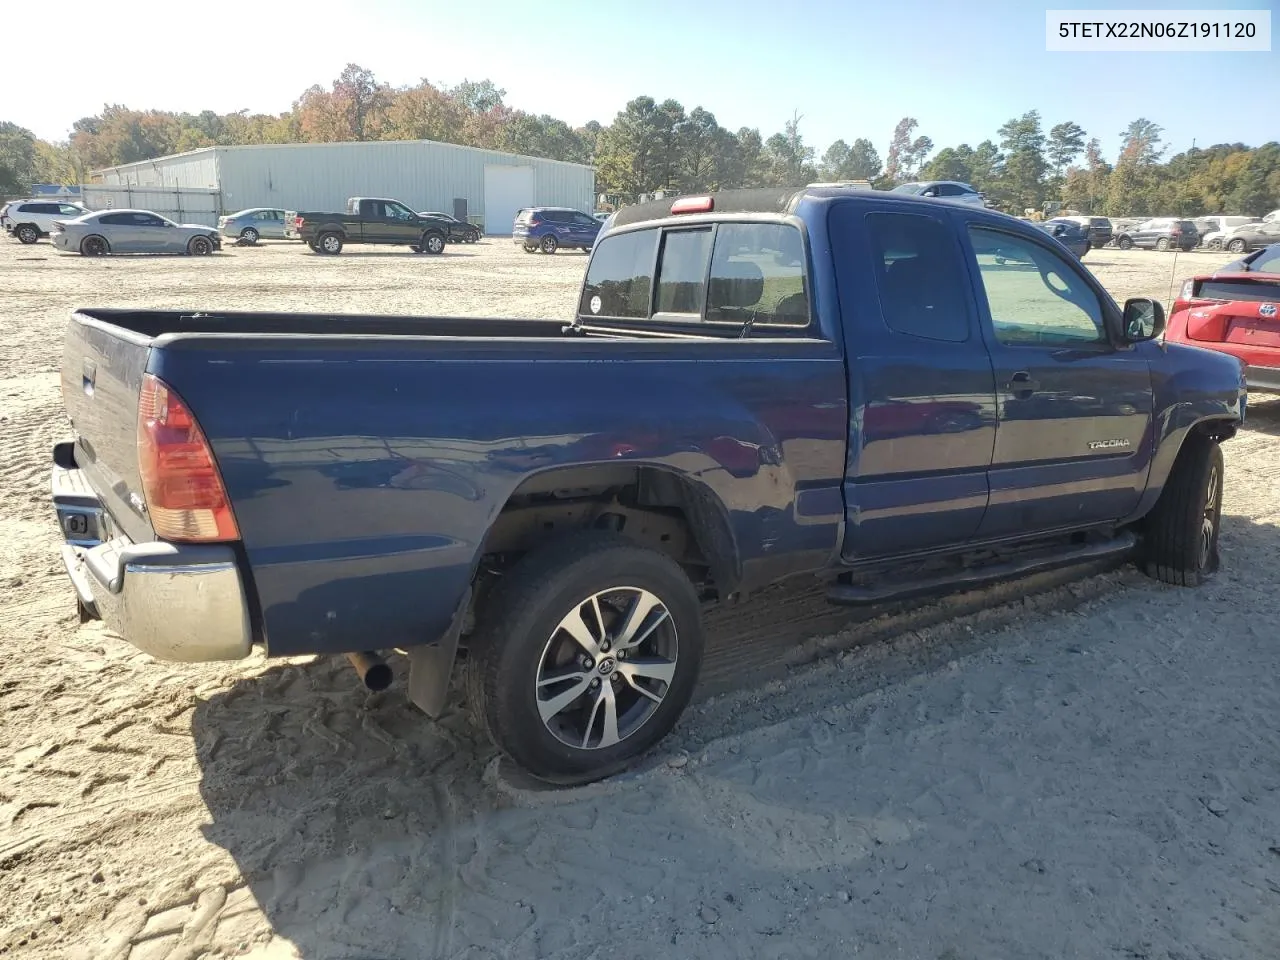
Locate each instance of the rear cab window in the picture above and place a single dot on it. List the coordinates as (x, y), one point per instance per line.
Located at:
(734, 274)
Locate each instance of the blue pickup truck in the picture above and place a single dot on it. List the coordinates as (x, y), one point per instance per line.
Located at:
(899, 396)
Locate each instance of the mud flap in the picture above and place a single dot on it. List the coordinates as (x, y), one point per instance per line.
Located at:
(430, 667)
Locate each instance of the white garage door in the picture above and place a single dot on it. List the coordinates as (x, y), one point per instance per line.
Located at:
(506, 190)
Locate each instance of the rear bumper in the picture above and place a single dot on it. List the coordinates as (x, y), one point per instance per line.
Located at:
(181, 602)
(1263, 378)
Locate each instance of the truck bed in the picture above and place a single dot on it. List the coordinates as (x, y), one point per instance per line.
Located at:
(366, 457)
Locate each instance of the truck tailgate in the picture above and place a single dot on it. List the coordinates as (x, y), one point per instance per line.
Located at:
(102, 370)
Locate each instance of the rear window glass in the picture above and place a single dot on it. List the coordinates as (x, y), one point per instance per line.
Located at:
(1187, 226)
(682, 271)
(757, 274)
(1238, 290)
(619, 281)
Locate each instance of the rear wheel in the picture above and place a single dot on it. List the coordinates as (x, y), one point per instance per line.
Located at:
(329, 243)
(94, 246)
(1124, 243)
(1180, 536)
(1162, 244)
(549, 244)
(200, 246)
(1237, 246)
(249, 235)
(27, 233)
(585, 655)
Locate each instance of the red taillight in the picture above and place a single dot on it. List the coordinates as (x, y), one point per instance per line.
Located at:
(297, 223)
(694, 205)
(185, 496)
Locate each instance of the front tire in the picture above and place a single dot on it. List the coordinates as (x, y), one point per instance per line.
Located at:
(249, 235)
(1237, 246)
(549, 244)
(1162, 244)
(329, 244)
(1180, 536)
(585, 655)
(1124, 243)
(432, 243)
(200, 246)
(27, 233)
(1214, 244)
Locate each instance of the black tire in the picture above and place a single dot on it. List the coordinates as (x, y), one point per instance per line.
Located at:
(1124, 243)
(94, 246)
(1162, 244)
(518, 631)
(549, 244)
(313, 247)
(330, 244)
(27, 233)
(530, 248)
(1237, 246)
(432, 243)
(473, 236)
(1180, 536)
(1214, 244)
(199, 246)
(249, 235)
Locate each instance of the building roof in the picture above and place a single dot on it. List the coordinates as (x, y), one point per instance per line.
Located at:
(342, 145)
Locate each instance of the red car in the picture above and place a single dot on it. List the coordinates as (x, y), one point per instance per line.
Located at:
(1235, 313)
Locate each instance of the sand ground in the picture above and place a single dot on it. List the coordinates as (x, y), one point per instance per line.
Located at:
(1063, 769)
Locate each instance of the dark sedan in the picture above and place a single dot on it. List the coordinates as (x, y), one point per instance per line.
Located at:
(1264, 260)
(1070, 233)
(459, 230)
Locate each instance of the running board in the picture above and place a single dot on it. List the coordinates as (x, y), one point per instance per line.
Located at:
(851, 594)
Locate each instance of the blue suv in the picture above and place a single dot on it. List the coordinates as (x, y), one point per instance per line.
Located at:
(552, 228)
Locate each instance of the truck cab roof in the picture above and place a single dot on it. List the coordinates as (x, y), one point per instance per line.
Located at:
(777, 201)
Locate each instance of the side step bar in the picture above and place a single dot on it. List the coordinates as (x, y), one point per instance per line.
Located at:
(856, 594)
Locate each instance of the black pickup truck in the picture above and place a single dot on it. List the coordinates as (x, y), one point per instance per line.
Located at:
(368, 220)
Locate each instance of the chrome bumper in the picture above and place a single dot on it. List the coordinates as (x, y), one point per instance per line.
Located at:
(183, 602)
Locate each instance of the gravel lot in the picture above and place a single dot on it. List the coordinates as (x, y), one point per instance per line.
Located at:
(1059, 769)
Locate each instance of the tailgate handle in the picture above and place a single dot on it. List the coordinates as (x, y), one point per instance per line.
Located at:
(90, 373)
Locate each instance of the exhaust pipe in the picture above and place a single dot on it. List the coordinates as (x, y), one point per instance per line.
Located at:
(375, 673)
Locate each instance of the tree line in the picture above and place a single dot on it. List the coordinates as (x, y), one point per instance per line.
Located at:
(651, 146)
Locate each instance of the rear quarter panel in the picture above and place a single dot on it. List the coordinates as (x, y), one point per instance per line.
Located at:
(364, 473)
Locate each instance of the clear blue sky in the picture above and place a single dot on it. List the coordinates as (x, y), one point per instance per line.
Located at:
(851, 68)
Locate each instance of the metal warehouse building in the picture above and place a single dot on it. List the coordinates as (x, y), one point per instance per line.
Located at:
(483, 186)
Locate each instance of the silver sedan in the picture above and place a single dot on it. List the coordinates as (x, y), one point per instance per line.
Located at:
(132, 231)
(252, 225)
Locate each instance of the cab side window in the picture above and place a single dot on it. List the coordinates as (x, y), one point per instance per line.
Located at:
(1034, 296)
(917, 268)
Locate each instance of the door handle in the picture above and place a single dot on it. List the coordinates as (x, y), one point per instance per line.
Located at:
(1022, 386)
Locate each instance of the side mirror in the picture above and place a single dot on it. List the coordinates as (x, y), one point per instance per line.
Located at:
(1143, 319)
